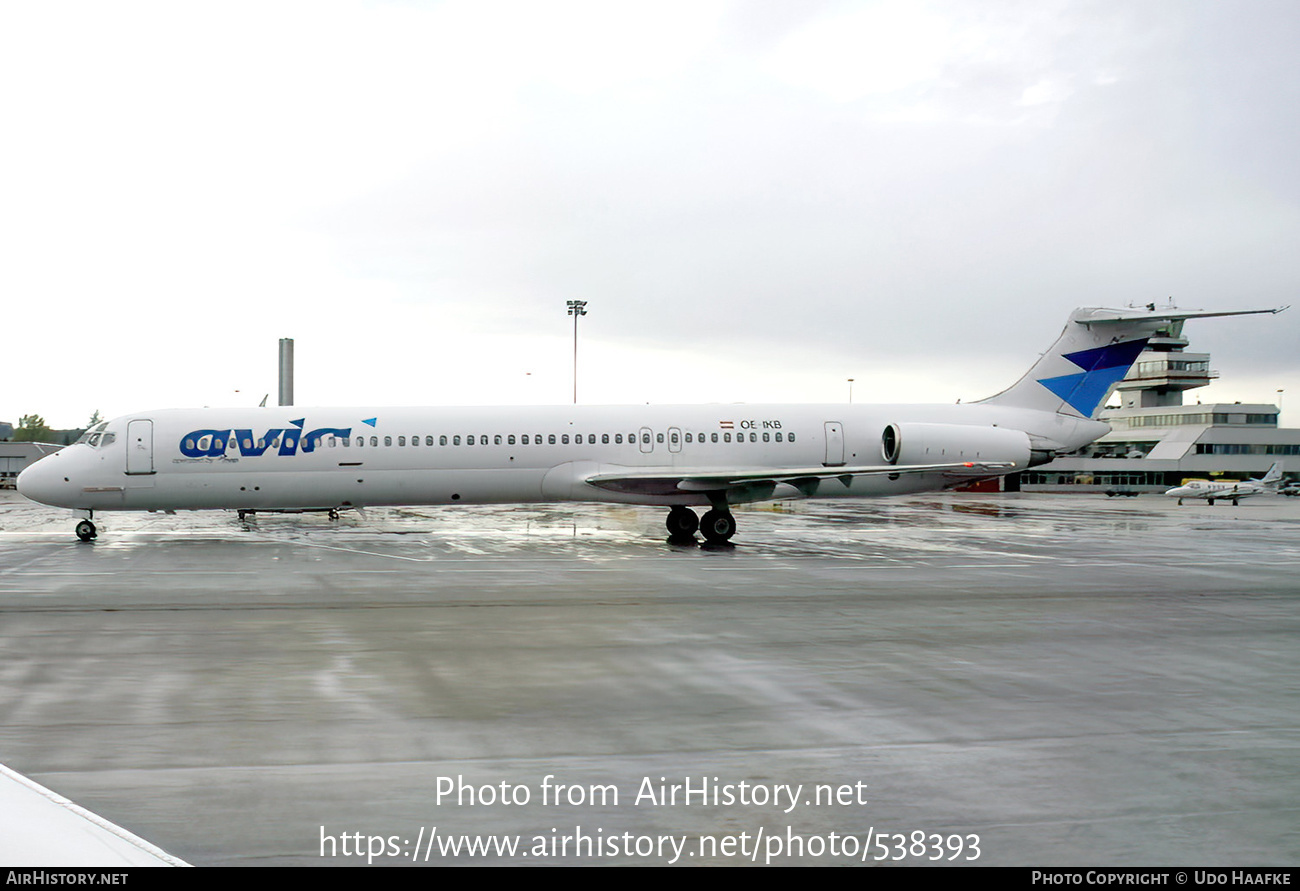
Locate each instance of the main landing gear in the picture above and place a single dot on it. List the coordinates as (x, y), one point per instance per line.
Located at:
(717, 525)
(682, 522)
(86, 530)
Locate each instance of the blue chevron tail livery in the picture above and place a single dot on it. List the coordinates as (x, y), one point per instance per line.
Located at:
(1093, 354)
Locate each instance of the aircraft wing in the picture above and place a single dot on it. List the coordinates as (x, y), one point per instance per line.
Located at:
(41, 828)
(805, 479)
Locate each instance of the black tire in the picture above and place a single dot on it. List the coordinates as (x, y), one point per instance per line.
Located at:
(682, 522)
(718, 526)
(86, 530)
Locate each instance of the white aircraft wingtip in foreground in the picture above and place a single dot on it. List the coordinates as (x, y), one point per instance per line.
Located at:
(681, 457)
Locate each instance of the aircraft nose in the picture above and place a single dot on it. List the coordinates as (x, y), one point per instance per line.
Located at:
(42, 482)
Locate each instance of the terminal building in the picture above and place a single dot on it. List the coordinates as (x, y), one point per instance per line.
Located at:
(1156, 441)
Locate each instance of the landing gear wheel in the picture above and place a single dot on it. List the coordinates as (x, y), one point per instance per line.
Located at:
(86, 530)
(334, 513)
(718, 526)
(682, 522)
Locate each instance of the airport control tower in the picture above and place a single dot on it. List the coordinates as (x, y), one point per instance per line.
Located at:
(1164, 372)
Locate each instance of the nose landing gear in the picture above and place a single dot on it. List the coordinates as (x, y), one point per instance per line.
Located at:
(86, 530)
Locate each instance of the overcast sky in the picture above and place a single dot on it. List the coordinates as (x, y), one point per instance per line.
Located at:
(759, 200)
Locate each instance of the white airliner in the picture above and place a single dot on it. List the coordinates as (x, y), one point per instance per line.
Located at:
(1229, 489)
(328, 459)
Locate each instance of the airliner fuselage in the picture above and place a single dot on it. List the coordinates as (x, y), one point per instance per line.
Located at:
(322, 458)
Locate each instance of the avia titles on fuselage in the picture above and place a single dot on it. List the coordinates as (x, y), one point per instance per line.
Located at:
(286, 440)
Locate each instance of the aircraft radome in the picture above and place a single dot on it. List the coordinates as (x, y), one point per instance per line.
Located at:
(678, 456)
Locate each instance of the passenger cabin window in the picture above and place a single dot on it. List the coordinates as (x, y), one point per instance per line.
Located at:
(401, 441)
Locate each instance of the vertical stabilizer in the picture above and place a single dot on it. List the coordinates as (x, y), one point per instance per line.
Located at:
(1093, 353)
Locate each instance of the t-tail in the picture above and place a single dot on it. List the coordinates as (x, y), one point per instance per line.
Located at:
(1093, 353)
(1271, 479)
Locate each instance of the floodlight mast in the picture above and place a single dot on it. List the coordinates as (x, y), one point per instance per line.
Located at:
(576, 308)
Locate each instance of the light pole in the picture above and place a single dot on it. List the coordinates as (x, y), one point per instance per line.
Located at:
(850, 391)
(576, 308)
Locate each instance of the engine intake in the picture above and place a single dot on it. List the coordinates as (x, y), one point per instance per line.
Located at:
(906, 444)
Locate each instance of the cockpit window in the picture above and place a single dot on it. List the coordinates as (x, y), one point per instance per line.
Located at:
(95, 437)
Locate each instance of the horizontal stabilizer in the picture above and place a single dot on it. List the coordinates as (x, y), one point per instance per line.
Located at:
(1102, 316)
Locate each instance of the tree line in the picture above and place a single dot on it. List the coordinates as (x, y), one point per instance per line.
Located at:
(32, 428)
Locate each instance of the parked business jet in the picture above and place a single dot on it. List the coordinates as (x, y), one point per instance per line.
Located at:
(1229, 489)
(681, 457)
